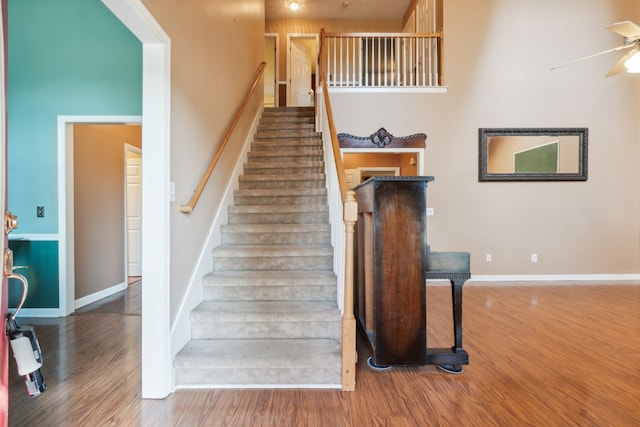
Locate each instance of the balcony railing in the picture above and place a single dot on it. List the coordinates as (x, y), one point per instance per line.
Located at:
(382, 60)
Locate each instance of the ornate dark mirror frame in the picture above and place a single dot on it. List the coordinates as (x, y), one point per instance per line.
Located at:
(485, 136)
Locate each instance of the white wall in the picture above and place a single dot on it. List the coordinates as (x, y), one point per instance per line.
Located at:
(498, 55)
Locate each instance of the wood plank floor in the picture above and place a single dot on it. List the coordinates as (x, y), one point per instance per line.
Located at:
(539, 356)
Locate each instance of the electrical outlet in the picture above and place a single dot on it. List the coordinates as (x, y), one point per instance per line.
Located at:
(534, 257)
(40, 211)
(489, 258)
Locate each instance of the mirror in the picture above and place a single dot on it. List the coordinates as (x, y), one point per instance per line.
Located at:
(540, 154)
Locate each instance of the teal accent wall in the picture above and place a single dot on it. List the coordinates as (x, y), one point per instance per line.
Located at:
(41, 257)
(65, 57)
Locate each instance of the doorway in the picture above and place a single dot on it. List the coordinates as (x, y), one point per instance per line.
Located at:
(301, 69)
(133, 211)
(90, 210)
(271, 41)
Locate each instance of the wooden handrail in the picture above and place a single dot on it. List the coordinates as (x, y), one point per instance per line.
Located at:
(189, 207)
(388, 35)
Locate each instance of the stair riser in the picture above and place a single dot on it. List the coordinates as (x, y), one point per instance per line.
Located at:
(264, 330)
(249, 377)
(271, 169)
(288, 139)
(305, 123)
(299, 115)
(270, 293)
(315, 150)
(281, 112)
(271, 185)
(279, 218)
(315, 263)
(286, 159)
(288, 112)
(283, 238)
(286, 151)
(271, 126)
(285, 144)
(279, 200)
(287, 133)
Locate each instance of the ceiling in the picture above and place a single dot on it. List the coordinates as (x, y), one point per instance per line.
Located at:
(334, 9)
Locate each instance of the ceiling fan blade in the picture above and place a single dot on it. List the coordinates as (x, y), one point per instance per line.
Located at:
(593, 56)
(619, 67)
(626, 29)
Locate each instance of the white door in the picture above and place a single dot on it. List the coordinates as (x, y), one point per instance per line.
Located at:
(300, 62)
(134, 213)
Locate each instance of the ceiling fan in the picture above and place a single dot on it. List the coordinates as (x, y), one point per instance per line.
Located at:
(630, 61)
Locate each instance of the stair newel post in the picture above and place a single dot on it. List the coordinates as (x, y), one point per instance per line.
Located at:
(349, 357)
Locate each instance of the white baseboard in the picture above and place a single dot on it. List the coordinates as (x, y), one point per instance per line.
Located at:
(57, 312)
(559, 279)
(545, 280)
(81, 302)
(39, 312)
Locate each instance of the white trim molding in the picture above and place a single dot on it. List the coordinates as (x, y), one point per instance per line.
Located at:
(66, 250)
(556, 279)
(156, 252)
(96, 296)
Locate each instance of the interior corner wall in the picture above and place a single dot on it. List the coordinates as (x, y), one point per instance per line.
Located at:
(498, 57)
(68, 57)
(99, 209)
(216, 49)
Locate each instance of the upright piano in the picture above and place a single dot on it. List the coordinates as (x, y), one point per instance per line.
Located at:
(393, 262)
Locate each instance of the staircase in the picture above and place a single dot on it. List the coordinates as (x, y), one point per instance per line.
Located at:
(269, 316)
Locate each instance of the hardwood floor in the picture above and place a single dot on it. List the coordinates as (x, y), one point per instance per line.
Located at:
(539, 355)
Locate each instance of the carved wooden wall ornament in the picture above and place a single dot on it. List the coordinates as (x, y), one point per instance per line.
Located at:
(382, 139)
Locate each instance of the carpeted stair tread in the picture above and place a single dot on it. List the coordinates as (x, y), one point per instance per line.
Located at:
(276, 234)
(280, 177)
(243, 251)
(282, 192)
(265, 311)
(270, 278)
(302, 165)
(279, 214)
(258, 353)
(275, 228)
(278, 209)
(286, 126)
(278, 144)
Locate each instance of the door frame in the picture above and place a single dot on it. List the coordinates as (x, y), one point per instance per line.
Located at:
(157, 372)
(66, 217)
(276, 68)
(299, 36)
(128, 148)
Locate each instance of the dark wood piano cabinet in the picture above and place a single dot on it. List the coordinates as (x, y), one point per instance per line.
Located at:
(391, 272)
